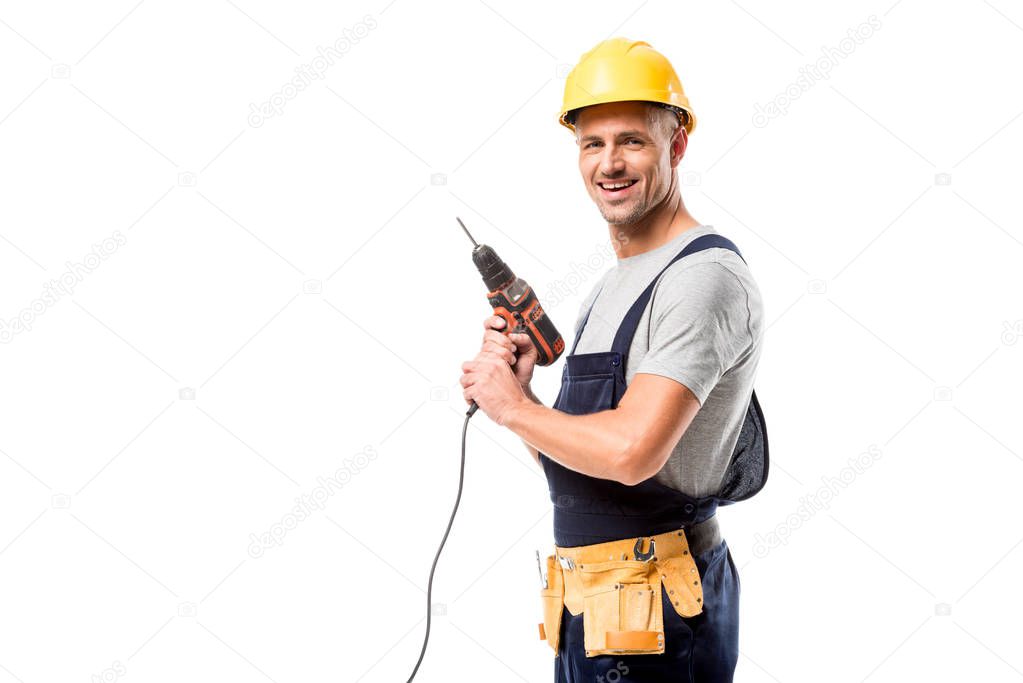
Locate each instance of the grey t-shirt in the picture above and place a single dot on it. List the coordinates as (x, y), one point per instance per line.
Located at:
(707, 333)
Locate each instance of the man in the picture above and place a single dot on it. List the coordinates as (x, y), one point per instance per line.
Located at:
(646, 439)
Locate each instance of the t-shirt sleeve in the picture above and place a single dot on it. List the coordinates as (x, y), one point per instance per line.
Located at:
(699, 326)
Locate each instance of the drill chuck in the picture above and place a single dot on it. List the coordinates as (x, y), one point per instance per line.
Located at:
(495, 272)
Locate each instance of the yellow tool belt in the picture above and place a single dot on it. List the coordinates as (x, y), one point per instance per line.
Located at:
(619, 595)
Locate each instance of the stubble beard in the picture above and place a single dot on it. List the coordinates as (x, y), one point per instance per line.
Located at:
(623, 215)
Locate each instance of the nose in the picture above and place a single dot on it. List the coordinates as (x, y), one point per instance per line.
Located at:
(611, 161)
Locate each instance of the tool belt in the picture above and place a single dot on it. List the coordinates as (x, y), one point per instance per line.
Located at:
(618, 585)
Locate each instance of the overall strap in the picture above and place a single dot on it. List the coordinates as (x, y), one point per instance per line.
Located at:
(627, 330)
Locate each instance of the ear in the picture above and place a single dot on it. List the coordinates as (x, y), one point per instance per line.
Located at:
(679, 141)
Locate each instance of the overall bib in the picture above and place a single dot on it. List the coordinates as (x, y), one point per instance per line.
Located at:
(590, 511)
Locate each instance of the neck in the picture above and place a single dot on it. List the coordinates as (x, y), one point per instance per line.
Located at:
(665, 222)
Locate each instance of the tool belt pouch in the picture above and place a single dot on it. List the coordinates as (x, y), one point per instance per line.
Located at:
(553, 598)
(683, 583)
(622, 611)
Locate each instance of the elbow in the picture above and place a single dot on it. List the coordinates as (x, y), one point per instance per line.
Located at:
(635, 455)
(638, 463)
(631, 467)
(629, 480)
(630, 475)
(619, 462)
(623, 445)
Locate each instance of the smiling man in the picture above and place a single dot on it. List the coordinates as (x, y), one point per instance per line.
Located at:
(656, 423)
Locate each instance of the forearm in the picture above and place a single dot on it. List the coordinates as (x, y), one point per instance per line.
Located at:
(595, 444)
(529, 447)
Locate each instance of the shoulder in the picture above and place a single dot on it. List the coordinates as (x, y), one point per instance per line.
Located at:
(713, 284)
(716, 273)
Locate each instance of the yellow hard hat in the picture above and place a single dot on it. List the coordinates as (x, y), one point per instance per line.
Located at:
(619, 70)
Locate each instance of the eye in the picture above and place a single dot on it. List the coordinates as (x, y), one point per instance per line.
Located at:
(590, 144)
(636, 140)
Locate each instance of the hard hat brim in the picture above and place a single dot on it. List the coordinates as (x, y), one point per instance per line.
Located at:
(686, 116)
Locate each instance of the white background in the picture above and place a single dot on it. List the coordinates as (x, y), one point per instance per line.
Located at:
(306, 281)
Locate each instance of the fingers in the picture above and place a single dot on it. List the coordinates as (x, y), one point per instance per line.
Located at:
(521, 341)
(470, 377)
(467, 380)
(486, 367)
(506, 346)
(499, 338)
(497, 342)
(494, 327)
(471, 370)
(483, 364)
(500, 350)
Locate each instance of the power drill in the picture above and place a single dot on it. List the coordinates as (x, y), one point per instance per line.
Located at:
(513, 299)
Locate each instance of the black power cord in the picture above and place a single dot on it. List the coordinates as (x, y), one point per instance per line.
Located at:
(429, 585)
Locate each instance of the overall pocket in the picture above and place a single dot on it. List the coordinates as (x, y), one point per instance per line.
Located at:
(553, 599)
(622, 611)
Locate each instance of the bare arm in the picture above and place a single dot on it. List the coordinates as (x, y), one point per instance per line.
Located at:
(628, 444)
(532, 450)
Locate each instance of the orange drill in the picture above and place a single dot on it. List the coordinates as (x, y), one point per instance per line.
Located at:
(514, 300)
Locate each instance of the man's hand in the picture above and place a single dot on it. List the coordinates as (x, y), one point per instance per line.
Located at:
(489, 378)
(489, 381)
(516, 348)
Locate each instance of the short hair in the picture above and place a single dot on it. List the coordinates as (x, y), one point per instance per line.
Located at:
(656, 119)
(664, 118)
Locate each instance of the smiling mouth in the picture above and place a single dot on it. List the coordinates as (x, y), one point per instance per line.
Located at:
(612, 186)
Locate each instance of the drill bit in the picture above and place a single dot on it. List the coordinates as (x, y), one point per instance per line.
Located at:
(474, 244)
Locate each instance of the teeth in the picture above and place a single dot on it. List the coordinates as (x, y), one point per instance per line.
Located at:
(616, 186)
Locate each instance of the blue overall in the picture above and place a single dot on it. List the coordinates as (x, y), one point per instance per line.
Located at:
(588, 510)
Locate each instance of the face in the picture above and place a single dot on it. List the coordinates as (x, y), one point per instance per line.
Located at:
(625, 160)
